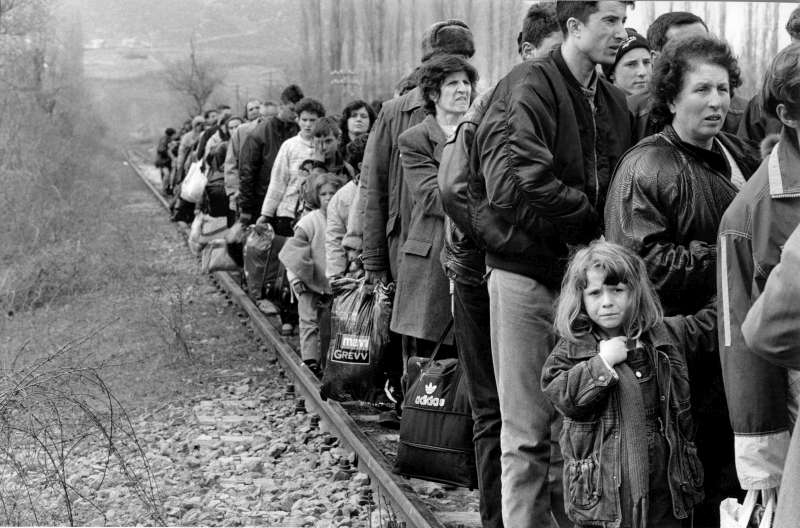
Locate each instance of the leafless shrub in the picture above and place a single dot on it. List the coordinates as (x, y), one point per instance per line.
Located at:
(55, 412)
(171, 321)
(193, 77)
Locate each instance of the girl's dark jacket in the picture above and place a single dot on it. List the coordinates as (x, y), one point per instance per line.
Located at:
(580, 386)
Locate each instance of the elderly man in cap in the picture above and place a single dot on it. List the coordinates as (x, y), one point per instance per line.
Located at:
(387, 205)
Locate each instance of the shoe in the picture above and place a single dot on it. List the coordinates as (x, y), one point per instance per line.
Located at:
(267, 308)
(287, 329)
(313, 366)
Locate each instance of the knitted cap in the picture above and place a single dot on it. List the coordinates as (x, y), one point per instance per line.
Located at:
(634, 40)
(448, 36)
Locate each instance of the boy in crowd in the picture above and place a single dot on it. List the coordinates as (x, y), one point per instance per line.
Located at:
(259, 151)
(280, 203)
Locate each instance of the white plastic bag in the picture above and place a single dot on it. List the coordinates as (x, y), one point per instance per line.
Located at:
(735, 515)
(206, 228)
(194, 184)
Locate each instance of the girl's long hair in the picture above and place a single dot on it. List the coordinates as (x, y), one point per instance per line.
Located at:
(620, 265)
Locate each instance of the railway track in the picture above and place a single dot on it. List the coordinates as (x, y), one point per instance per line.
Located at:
(412, 510)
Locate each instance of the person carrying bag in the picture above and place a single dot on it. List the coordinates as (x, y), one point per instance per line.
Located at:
(436, 428)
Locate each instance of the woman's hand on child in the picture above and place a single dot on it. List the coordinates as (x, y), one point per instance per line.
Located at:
(613, 350)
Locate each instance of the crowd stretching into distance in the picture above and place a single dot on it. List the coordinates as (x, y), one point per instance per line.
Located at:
(610, 229)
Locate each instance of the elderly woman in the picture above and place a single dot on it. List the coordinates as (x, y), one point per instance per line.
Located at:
(422, 301)
(357, 119)
(666, 201)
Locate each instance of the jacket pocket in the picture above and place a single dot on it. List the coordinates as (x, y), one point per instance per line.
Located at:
(417, 247)
(690, 464)
(583, 482)
(581, 444)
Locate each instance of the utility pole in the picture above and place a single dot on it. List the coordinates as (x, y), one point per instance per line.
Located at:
(238, 101)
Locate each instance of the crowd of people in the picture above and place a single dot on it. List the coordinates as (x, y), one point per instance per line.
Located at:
(599, 226)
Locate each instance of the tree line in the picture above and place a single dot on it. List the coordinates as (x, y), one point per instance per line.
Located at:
(355, 48)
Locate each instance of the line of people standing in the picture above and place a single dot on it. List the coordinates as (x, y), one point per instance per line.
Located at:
(597, 230)
(538, 154)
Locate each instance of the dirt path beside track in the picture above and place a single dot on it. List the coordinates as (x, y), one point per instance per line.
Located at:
(209, 407)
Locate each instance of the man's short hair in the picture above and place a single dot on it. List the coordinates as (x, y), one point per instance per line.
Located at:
(208, 112)
(223, 107)
(566, 9)
(312, 106)
(291, 94)
(793, 24)
(326, 126)
(657, 32)
(540, 22)
(782, 82)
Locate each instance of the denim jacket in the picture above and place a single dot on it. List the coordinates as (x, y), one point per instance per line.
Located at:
(581, 387)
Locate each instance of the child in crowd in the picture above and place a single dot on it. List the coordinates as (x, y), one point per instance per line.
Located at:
(283, 192)
(304, 258)
(327, 137)
(620, 377)
(309, 169)
(340, 261)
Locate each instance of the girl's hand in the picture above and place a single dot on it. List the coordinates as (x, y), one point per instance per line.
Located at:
(613, 350)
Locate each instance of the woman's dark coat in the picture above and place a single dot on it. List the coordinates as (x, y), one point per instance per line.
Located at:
(422, 301)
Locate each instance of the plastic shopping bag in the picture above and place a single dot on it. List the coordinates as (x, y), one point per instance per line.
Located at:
(751, 514)
(257, 248)
(215, 257)
(194, 184)
(360, 318)
(206, 228)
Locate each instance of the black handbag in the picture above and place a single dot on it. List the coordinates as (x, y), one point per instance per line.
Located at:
(436, 426)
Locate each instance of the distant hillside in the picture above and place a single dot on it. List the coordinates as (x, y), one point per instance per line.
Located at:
(263, 28)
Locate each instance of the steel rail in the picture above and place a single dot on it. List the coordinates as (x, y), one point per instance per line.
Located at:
(402, 497)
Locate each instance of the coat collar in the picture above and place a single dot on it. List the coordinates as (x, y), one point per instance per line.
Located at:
(586, 345)
(783, 167)
(434, 131)
(412, 100)
(594, 83)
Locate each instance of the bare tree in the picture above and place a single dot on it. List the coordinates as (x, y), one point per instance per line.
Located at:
(194, 77)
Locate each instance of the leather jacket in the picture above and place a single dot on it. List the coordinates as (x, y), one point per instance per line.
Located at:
(666, 204)
(581, 387)
(546, 150)
(464, 257)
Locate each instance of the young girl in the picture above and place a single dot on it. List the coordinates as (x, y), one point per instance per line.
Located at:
(304, 258)
(620, 377)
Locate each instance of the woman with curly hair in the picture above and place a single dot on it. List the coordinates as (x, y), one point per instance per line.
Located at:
(665, 203)
(357, 119)
(422, 301)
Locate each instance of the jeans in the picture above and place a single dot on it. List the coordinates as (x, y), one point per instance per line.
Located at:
(471, 326)
(521, 314)
(314, 311)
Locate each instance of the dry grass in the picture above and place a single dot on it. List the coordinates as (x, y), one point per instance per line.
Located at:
(50, 204)
(53, 410)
